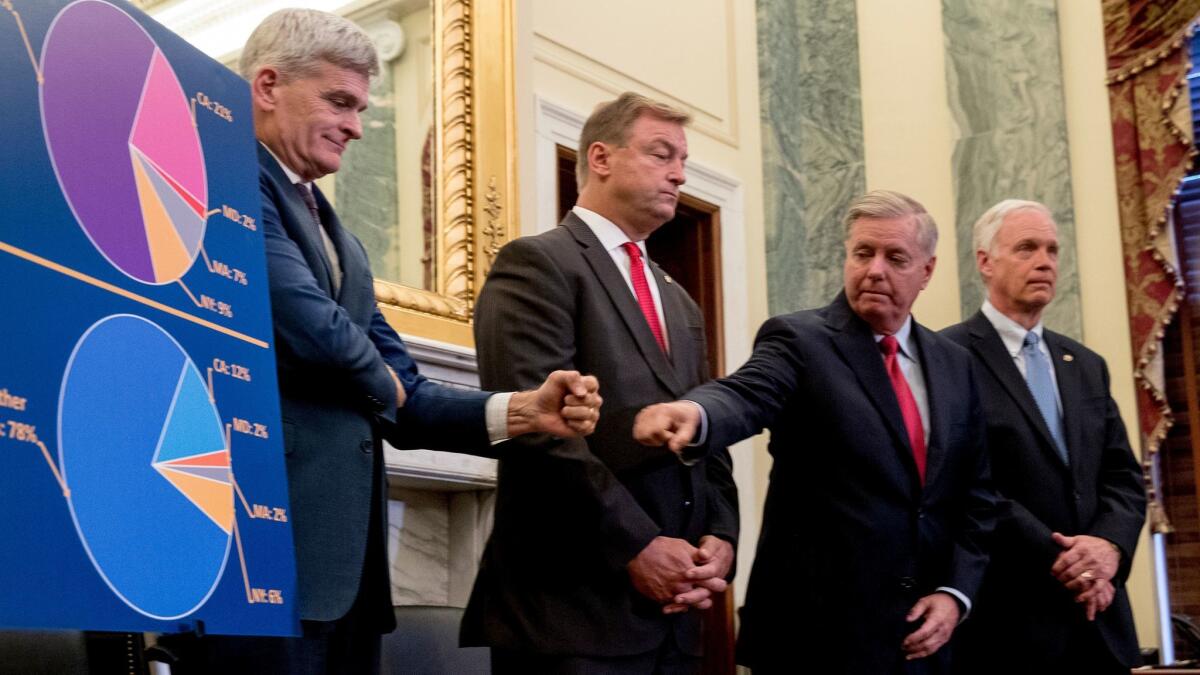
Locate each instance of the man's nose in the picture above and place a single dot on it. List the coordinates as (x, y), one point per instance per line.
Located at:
(353, 125)
(877, 266)
(677, 173)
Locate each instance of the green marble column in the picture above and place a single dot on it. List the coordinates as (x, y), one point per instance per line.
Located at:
(1006, 94)
(812, 144)
(367, 199)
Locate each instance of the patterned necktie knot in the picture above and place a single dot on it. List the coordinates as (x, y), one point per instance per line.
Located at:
(635, 253)
(309, 200)
(889, 345)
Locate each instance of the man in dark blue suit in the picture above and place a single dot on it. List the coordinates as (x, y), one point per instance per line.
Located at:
(346, 381)
(874, 534)
(1072, 497)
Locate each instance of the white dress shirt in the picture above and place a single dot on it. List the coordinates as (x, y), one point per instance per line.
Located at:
(1013, 336)
(613, 239)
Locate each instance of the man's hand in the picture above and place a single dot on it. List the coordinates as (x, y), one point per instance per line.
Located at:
(1084, 560)
(671, 424)
(658, 570)
(713, 561)
(401, 396)
(940, 611)
(1096, 598)
(567, 405)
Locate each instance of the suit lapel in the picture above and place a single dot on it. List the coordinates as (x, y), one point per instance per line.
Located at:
(938, 386)
(614, 285)
(1070, 391)
(337, 234)
(298, 221)
(853, 339)
(673, 313)
(986, 342)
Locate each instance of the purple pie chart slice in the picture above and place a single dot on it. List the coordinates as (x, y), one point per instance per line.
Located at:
(107, 91)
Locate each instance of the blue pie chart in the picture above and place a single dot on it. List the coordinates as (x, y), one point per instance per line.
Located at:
(144, 454)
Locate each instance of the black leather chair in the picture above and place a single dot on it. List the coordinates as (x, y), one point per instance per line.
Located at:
(425, 642)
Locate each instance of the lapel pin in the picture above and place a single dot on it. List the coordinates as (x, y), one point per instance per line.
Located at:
(1068, 358)
(667, 278)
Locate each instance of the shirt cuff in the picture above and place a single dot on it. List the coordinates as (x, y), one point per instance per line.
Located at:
(961, 597)
(495, 413)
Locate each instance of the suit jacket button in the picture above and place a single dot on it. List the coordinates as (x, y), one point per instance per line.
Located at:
(907, 583)
(920, 514)
(366, 446)
(687, 503)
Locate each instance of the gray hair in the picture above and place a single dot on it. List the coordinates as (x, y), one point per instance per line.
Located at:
(610, 123)
(880, 204)
(297, 41)
(984, 233)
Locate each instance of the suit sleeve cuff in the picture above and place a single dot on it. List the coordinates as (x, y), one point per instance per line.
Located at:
(690, 458)
(495, 413)
(961, 597)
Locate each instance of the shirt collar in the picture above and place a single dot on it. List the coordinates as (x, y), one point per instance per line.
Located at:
(904, 338)
(292, 175)
(1011, 332)
(611, 237)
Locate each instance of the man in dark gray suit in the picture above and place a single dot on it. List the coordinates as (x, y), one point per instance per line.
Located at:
(875, 528)
(585, 569)
(346, 380)
(1053, 599)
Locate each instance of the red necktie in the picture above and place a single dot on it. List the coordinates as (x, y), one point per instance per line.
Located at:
(908, 404)
(642, 290)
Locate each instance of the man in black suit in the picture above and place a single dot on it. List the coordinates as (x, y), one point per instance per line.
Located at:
(346, 380)
(874, 531)
(1053, 599)
(584, 572)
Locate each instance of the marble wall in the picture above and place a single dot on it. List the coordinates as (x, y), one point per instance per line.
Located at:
(367, 190)
(1005, 90)
(812, 144)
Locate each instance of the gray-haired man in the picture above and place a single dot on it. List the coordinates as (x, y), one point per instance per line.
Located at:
(1072, 499)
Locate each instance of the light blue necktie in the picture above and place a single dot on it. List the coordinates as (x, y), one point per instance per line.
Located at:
(1037, 376)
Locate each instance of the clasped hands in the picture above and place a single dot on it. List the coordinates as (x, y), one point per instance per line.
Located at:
(680, 576)
(1086, 567)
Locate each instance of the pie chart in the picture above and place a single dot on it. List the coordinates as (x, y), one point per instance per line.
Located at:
(121, 137)
(143, 451)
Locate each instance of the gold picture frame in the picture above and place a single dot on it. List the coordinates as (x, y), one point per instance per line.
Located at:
(475, 168)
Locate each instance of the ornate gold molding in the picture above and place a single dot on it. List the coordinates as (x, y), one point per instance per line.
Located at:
(494, 232)
(473, 137)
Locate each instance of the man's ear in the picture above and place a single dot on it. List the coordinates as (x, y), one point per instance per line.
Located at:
(983, 262)
(599, 157)
(263, 88)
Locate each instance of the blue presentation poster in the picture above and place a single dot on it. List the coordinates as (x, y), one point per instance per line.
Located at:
(142, 481)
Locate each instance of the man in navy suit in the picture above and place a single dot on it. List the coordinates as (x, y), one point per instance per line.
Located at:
(1072, 497)
(874, 534)
(346, 381)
